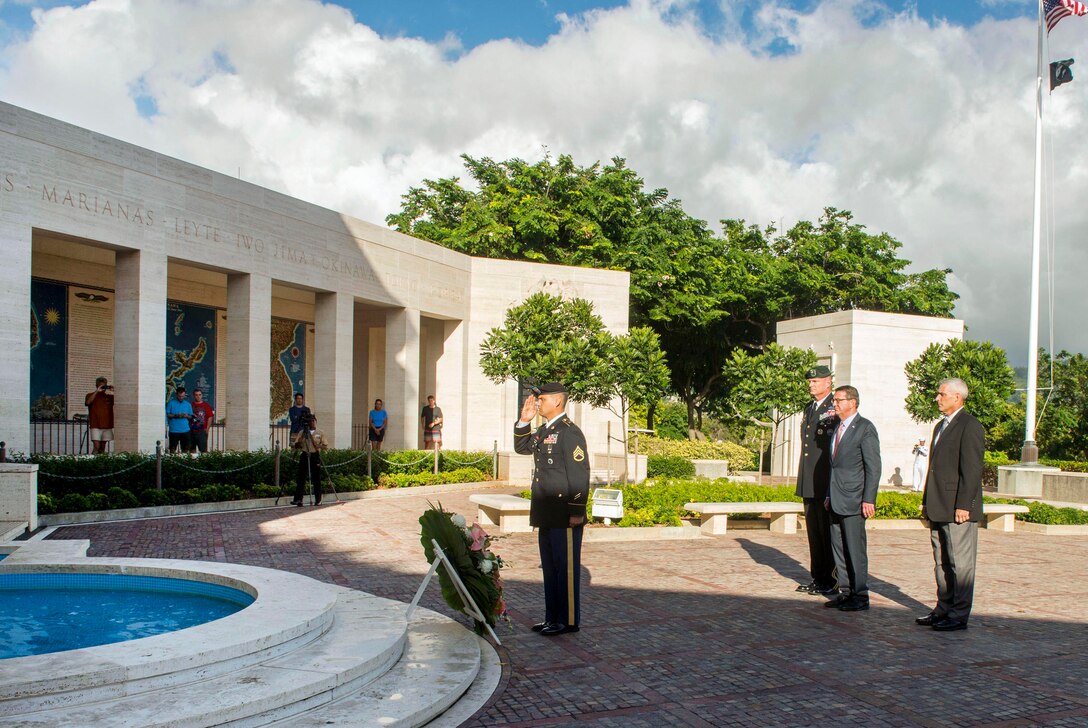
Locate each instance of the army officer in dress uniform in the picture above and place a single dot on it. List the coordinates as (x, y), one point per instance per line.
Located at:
(813, 477)
(558, 510)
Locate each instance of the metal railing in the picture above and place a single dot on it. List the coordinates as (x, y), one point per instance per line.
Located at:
(72, 437)
(60, 437)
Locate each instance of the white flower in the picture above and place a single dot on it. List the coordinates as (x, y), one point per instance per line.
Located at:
(485, 566)
(458, 520)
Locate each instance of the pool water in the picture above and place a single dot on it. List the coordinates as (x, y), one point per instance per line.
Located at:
(42, 613)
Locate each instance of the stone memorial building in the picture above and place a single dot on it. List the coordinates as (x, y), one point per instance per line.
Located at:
(156, 273)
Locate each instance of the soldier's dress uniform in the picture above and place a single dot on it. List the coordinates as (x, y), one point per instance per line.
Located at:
(813, 479)
(560, 490)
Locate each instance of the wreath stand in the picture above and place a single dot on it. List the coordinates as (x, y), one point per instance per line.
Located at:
(470, 604)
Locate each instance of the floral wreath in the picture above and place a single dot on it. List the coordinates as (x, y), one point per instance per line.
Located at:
(467, 549)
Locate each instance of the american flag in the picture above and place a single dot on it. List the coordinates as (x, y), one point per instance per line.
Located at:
(1055, 10)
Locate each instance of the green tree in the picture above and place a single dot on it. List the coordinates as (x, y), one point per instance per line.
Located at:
(1061, 430)
(769, 387)
(980, 364)
(704, 295)
(546, 339)
(1065, 427)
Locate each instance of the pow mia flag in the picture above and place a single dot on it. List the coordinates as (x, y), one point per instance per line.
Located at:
(1060, 72)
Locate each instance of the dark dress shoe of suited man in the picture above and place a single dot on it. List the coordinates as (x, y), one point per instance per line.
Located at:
(553, 629)
(949, 625)
(929, 620)
(540, 626)
(854, 604)
(837, 601)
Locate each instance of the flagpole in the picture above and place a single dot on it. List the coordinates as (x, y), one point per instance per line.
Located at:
(1029, 453)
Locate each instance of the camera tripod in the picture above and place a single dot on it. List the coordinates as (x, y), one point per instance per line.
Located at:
(307, 436)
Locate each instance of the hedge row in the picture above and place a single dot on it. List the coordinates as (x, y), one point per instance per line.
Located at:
(127, 480)
(117, 497)
(135, 472)
(661, 502)
(739, 457)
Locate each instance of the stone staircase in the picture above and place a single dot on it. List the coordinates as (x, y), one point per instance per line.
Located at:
(341, 657)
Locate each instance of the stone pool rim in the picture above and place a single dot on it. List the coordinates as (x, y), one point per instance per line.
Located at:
(275, 619)
(155, 595)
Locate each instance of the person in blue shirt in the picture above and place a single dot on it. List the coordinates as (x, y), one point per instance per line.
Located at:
(178, 415)
(379, 420)
(294, 415)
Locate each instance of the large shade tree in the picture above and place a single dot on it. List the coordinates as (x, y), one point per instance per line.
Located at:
(705, 295)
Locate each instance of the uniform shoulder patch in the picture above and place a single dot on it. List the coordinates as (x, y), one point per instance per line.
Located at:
(579, 454)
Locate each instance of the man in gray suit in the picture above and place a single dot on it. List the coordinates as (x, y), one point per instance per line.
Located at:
(855, 477)
(953, 504)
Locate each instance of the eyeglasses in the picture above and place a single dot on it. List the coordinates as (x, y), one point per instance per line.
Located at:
(840, 399)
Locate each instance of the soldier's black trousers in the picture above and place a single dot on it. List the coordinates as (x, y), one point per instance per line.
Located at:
(561, 561)
(818, 530)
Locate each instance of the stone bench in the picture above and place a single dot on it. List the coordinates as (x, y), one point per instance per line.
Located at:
(509, 512)
(1001, 516)
(714, 517)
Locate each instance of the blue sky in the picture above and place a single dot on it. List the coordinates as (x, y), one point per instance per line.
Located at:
(532, 21)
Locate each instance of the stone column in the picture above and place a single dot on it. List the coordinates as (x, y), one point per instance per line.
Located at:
(139, 350)
(334, 320)
(15, 241)
(450, 383)
(360, 367)
(402, 379)
(249, 350)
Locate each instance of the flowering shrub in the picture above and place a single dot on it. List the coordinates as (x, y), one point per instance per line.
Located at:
(468, 548)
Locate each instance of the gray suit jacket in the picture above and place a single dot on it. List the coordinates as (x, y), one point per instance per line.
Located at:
(855, 468)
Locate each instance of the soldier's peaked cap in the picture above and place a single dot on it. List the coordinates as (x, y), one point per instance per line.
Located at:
(818, 372)
(553, 388)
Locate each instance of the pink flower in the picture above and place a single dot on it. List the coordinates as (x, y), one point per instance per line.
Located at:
(479, 538)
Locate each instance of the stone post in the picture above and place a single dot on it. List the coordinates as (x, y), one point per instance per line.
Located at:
(139, 346)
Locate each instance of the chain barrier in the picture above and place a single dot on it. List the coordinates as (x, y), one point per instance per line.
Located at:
(220, 472)
(404, 465)
(95, 477)
(339, 465)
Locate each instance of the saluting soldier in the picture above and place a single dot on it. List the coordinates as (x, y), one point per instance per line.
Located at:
(558, 509)
(813, 478)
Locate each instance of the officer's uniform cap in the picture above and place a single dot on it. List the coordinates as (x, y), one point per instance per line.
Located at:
(818, 372)
(553, 388)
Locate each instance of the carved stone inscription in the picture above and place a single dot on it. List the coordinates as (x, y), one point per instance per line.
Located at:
(100, 204)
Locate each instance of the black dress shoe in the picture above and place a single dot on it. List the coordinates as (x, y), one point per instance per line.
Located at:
(837, 601)
(553, 629)
(824, 591)
(929, 620)
(949, 625)
(806, 588)
(855, 604)
(539, 626)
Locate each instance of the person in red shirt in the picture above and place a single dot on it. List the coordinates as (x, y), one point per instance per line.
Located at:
(100, 414)
(203, 418)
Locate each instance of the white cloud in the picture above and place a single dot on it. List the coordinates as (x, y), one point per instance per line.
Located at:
(923, 130)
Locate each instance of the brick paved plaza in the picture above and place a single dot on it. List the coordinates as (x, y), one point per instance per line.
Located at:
(707, 632)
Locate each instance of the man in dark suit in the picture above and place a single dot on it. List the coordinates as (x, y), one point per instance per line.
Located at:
(855, 477)
(952, 502)
(558, 507)
(818, 423)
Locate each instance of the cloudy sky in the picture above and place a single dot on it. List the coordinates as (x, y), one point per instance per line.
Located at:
(917, 116)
